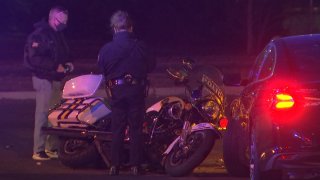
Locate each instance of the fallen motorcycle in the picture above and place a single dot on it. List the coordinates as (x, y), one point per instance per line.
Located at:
(178, 133)
(202, 115)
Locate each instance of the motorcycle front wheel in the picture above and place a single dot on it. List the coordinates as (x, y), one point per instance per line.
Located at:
(76, 153)
(184, 158)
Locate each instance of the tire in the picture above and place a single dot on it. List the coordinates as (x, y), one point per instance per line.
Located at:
(255, 173)
(255, 167)
(76, 153)
(200, 144)
(234, 150)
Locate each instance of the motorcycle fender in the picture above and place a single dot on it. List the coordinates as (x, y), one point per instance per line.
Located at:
(171, 146)
(197, 127)
(203, 126)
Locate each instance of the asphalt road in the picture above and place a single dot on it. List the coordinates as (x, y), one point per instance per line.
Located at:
(16, 130)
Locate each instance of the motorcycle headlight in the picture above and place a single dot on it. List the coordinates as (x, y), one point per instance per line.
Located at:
(211, 108)
(175, 111)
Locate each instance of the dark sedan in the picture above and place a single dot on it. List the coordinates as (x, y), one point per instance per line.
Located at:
(274, 128)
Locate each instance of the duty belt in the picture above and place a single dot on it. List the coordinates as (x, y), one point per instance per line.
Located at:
(127, 79)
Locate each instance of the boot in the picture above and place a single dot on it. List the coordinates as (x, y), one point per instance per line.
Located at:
(135, 171)
(114, 171)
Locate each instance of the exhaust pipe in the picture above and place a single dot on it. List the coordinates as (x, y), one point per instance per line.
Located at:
(78, 133)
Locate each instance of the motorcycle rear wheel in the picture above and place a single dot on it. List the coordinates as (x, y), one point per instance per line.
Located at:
(182, 160)
(76, 153)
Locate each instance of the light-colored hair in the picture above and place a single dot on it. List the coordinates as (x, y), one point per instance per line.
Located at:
(120, 20)
(56, 10)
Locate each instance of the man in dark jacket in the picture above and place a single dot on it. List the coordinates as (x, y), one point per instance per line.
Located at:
(46, 55)
(125, 62)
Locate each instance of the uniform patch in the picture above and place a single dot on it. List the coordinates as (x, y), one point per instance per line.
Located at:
(35, 44)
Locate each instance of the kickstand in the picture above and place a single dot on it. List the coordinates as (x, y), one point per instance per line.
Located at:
(105, 158)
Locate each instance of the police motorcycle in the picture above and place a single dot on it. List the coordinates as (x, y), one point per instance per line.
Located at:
(178, 133)
(201, 113)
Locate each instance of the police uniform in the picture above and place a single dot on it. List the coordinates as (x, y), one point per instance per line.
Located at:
(125, 63)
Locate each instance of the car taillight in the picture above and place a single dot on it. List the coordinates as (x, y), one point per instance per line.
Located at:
(283, 101)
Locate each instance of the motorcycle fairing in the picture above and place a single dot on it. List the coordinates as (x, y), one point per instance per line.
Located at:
(82, 86)
(157, 106)
(213, 88)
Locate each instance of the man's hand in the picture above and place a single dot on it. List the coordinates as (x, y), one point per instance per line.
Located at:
(60, 68)
(67, 68)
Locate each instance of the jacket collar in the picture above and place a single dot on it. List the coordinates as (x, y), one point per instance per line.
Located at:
(122, 35)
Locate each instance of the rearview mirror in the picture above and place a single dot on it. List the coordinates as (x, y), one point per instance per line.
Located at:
(188, 63)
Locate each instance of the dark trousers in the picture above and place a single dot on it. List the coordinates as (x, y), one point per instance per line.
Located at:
(128, 106)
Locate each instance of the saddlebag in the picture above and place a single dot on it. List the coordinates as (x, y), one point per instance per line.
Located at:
(78, 112)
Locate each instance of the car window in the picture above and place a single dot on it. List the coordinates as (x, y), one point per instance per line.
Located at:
(305, 58)
(254, 72)
(268, 64)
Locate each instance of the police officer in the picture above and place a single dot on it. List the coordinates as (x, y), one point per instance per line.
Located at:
(46, 55)
(125, 62)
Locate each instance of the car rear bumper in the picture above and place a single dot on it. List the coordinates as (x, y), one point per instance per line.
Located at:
(293, 160)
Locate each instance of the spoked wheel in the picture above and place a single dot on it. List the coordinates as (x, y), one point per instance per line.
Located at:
(77, 152)
(184, 158)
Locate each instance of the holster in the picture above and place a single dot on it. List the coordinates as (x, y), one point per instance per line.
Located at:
(108, 92)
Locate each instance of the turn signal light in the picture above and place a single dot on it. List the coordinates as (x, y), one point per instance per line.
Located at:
(284, 101)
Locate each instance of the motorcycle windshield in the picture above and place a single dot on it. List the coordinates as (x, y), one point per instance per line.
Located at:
(81, 86)
(210, 78)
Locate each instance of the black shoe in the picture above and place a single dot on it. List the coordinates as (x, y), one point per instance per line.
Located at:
(40, 156)
(114, 171)
(135, 170)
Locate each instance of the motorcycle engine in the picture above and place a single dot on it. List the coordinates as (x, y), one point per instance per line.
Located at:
(175, 111)
(211, 108)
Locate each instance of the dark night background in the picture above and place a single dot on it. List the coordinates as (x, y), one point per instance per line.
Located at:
(171, 27)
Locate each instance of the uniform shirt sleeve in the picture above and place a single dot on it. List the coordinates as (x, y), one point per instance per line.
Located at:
(102, 59)
(100, 63)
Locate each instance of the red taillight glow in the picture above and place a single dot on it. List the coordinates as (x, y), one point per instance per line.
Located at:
(284, 101)
(223, 122)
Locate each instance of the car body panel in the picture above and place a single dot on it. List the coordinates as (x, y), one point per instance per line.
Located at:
(286, 138)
